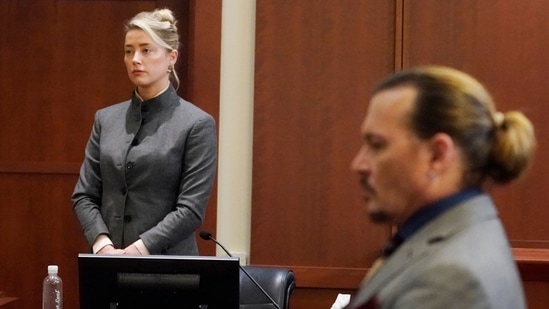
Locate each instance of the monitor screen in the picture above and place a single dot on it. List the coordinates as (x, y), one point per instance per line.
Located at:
(158, 281)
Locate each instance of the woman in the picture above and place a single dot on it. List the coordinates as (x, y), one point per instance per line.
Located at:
(150, 161)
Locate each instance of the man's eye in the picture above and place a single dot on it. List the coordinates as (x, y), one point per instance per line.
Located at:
(375, 145)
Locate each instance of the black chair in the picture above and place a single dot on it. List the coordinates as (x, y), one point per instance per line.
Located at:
(278, 282)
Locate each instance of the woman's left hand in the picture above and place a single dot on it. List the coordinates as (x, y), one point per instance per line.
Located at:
(132, 250)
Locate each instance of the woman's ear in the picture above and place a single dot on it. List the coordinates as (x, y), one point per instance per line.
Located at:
(173, 56)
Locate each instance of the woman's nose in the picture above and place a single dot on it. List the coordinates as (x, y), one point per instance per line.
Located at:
(136, 58)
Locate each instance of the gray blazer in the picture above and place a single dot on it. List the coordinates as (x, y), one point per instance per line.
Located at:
(461, 259)
(148, 173)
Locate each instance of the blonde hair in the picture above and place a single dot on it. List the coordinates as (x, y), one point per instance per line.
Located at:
(497, 146)
(161, 26)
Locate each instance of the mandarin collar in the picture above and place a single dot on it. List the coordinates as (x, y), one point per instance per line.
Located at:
(138, 107)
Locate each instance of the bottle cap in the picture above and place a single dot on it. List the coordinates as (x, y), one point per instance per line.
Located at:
(52, 269)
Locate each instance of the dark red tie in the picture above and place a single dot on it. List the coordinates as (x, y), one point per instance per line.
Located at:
(371, 304)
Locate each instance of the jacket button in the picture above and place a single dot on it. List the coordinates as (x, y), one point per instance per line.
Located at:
(129, 165)
(124, 191)
(127, 219)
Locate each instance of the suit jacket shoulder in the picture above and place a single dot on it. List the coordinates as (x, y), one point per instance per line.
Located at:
(462, 257)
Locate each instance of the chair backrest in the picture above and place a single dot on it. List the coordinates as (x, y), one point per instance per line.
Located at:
(278, 282)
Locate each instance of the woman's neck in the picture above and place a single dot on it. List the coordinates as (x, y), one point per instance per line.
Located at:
(148, 93)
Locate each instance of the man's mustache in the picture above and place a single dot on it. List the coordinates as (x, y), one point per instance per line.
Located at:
(366, 185)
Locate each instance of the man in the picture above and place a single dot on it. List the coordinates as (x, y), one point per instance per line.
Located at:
(432, 141)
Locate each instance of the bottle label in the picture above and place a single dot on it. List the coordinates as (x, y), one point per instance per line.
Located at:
(57, 299)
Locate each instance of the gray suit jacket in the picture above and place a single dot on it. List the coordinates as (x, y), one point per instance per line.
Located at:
(148, 173)
(461, 259)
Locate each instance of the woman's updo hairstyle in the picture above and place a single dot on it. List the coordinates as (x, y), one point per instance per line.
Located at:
(161, 25)
(497, 146)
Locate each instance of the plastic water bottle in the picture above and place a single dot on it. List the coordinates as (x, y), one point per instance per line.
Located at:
(52, 290)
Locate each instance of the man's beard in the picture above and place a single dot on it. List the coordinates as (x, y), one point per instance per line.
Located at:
(380, 216)
(377, 216)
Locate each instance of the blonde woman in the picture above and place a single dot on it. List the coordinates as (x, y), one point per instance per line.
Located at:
(150, 161)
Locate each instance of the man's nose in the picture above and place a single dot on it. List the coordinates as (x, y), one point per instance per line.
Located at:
(359, 163)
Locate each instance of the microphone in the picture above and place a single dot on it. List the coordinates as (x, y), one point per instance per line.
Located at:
(208, 236)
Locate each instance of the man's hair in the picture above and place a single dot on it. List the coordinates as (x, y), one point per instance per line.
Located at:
(496, 146)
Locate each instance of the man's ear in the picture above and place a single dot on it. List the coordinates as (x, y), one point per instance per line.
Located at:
(443, 151)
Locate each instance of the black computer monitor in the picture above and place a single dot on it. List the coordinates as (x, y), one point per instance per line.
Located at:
(158, 281)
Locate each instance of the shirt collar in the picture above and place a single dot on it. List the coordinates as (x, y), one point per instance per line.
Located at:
(159, 93)
(433, 210)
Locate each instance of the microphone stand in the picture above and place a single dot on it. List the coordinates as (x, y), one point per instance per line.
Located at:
(209, 236)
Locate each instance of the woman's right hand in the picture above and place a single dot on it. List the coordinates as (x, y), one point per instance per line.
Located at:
(109, 249)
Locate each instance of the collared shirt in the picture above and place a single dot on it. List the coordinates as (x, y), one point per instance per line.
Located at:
(433, 210)
(427, 214)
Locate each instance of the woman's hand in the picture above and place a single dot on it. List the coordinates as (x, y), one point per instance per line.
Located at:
(132, 250)
(109, 249)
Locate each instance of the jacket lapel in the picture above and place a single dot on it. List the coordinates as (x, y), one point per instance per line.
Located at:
(414, 250)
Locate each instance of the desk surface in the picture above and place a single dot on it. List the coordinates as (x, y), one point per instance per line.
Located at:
(6, 300)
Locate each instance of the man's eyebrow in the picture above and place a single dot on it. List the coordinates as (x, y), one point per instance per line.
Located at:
(372, 136)
(369, 135)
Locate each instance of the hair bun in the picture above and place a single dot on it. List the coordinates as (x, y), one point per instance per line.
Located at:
(165, 14)
(513, 146)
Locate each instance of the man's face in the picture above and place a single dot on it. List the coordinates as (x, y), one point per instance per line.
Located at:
(392, 162)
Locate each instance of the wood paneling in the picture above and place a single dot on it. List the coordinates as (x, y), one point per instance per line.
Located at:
(533, 263)
(316, 62)
(65, 63)
(315, 65)
(203, 79)
(503, 44)
(38, 228)
(536, 294)
(8, 302)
